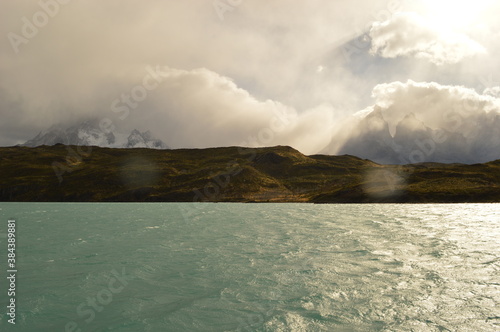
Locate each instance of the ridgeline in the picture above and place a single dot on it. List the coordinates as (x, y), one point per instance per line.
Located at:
(275, 174)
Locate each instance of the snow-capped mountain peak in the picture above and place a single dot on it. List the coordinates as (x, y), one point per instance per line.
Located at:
(136, 139)
(89, 133)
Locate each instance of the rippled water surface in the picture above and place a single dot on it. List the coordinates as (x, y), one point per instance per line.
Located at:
(254, 267)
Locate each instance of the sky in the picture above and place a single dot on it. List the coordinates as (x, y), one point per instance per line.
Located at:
(203, 73)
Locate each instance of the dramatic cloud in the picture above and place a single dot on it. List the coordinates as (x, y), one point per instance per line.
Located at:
(196, 109)
(409, 34)
(225, 75)
(200, 108)
(416, 122)
(431, 101)
(66, 60)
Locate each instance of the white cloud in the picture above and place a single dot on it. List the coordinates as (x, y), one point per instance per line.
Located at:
(200, 108)
(492, 91)
(70, 70)
(425, 121)
(279, 60)
(409, 34)
(431, 102)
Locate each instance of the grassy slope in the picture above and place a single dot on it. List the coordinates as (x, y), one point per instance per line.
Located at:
(279, 174)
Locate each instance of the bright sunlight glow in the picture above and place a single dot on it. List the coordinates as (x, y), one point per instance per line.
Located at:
(450, 14)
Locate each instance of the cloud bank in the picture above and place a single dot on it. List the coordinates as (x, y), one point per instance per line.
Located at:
(409, 34)
(200, 108)
(89, 53)
(417, 122)
(232, 81)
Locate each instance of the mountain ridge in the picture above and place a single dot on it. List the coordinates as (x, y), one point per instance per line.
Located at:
(233, 174)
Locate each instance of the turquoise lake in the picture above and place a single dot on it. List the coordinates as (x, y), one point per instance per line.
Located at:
(253, 267)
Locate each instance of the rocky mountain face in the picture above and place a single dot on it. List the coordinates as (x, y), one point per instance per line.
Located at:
(136, 139)
(413, 141)
(89, 133)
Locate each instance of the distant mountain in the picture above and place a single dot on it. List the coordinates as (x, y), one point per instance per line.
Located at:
(90, 133)
(136, 139)
(372, 140)
(414, 141)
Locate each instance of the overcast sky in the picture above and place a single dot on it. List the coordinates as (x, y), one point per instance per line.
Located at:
(234, 72)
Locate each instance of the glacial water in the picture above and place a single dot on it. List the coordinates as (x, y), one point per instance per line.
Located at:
(253, 267)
